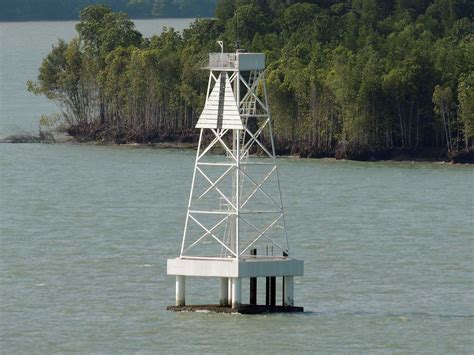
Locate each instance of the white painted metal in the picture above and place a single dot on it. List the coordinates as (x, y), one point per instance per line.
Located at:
(250, 267)
(227, 111)
(180, 290)
(231, 207)
(273, 152)
(288, 291)
(191, 195)
(230, 113)
(236, 292)
(224, 291)
(236, 61)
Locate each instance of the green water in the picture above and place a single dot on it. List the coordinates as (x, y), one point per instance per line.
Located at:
(85, 232)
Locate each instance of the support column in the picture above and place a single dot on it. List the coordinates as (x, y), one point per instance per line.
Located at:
(229, 291)
(180, 290)
(253, 290)
(273, 291)
(288, 291)
(224, 291)
(253, 284)
(267, 291)
(236, 291)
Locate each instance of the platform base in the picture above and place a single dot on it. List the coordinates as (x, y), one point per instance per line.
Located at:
(242, 309)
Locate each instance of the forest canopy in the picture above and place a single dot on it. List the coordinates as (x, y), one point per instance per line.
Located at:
(357, 79)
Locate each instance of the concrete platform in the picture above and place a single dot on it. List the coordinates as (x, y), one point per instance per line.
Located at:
(244, 267)
(242, 309)
(231, 272)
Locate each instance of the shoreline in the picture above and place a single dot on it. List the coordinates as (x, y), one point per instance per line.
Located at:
(65, 138)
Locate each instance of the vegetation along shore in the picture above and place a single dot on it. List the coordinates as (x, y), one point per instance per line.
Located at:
(363, 80)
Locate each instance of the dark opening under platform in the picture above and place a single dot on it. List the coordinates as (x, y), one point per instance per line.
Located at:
(242, 309)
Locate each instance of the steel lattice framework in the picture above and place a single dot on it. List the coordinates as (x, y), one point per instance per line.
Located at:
(235, 201)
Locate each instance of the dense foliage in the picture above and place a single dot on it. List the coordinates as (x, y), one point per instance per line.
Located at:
(23, 10)
(354, 78)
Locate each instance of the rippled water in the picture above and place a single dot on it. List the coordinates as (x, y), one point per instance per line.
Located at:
(85, 232)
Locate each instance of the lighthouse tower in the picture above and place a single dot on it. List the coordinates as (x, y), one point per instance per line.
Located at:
(235, 224)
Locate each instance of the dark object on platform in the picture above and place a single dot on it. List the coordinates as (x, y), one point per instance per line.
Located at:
(253, 284)
(273, 291)
(242, 309)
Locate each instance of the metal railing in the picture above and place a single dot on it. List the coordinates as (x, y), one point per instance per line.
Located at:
(223, 60)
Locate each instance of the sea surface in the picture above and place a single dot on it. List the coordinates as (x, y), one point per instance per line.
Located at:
(85, 232)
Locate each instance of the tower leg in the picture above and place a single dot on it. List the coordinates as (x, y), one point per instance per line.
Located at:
(288, 291)
(180, 290)
(267, 291)
(236, 291)
(253, 283)
(273, 291)
(253, 290)
(224, 291)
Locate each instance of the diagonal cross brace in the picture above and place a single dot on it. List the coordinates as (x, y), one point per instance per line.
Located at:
(219, 138)
(207, 233)
(258, 187)
(270, 155)
(248, 144)
(215, 187)
(213, 184)
(262, 234)
(251, 92)
(213, 142)
(212, 235)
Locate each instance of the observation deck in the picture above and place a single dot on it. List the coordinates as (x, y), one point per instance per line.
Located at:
(236, 61)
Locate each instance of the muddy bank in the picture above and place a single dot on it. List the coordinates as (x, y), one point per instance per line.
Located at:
(42, 137)
(346, 151)
(343, 150)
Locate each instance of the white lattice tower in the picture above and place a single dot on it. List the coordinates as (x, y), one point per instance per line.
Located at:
(236, 97)
(235, 211)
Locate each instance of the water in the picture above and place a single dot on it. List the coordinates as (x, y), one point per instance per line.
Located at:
(85, 232)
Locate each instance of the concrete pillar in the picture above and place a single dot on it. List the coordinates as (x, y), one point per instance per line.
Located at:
(224, 291)
(288, 291)
(253, 290)
(180, 290)
(229, 291)
(253, 283)
(236, 291)
(267, 290)
(273, 291)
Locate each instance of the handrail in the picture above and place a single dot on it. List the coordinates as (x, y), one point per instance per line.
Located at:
(223, 60)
